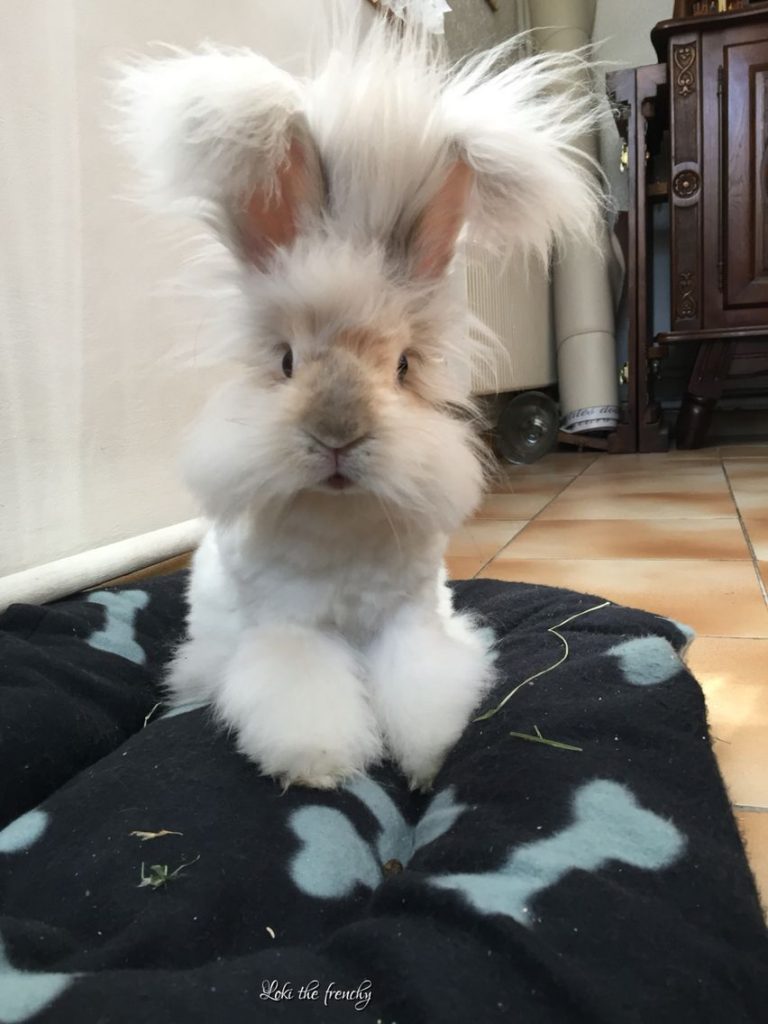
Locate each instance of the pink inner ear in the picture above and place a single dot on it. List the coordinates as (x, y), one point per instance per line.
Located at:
(438, 228)
(271, 216)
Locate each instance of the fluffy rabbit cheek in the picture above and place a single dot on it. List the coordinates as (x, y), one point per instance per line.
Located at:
(426, 464)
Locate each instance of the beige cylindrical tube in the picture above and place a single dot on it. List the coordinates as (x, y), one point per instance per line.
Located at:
(583, 302)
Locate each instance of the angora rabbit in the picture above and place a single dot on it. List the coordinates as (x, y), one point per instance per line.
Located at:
(321, 628)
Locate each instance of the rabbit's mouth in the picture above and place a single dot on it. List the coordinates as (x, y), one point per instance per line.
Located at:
(338, 482)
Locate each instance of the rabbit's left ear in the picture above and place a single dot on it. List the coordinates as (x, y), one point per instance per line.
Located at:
(433, 239)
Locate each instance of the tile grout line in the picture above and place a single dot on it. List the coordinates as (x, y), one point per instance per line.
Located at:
(747, 538)
(534, 517)
(610, 558)
(728, 636)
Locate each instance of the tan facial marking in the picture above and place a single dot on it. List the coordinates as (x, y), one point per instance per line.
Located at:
(379, 351)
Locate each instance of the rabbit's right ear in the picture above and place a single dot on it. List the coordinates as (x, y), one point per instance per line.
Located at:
(222, 134)
(274, 211)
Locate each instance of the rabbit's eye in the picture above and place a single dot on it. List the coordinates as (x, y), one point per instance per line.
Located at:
(288, 363)
(402, 366)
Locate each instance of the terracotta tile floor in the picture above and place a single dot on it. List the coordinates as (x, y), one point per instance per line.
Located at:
(612, 525)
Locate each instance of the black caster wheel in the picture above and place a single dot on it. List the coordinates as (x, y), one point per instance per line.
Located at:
(527, 427)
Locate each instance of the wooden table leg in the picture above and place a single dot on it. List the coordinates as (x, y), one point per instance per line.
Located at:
(705, 387)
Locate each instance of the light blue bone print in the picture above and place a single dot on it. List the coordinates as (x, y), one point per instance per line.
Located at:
(23, 832)
(334, 857)
(25, 993)
(119, 633)
(608, 825)
(688, 632)
(647, 660)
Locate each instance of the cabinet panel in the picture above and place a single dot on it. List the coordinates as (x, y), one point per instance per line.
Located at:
(745, 173)
(685, 80)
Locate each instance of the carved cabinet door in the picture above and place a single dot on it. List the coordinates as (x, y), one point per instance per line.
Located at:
(689, 89)
(744, 184)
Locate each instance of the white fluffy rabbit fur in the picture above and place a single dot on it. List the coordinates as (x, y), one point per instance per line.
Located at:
(321, 629)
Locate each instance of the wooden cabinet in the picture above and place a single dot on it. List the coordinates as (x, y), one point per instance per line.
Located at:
(718, 137)
(718, 173)
(744, 106)
(710, 92)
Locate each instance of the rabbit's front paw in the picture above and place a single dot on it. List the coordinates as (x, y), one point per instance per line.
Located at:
(319, 772)
(421, 779)
(297, 707)
(297, 758)
(427, 676)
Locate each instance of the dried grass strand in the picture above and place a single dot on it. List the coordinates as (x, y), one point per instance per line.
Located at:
(537, 675)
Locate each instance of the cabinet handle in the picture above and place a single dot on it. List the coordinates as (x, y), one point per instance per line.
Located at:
(721, 180)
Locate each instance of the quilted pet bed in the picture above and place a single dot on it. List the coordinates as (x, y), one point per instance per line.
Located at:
(149, 873)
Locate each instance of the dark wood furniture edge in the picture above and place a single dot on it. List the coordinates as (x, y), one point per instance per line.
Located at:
(601, 444)
(713, 334)
(645, 429)
(661, 33)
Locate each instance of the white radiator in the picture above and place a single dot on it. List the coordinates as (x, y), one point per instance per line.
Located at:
(514, 303)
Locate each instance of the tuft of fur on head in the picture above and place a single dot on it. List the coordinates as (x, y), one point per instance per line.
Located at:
(340, 198)
(389, 114)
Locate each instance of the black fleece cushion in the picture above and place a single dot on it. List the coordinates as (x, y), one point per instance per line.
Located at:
(149, 873)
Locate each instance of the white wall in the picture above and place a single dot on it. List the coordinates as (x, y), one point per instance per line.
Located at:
(471, 26)
(625, 27)
(91, 410)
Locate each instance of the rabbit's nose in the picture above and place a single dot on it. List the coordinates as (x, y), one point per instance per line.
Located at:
(336, 449)
(344, 449)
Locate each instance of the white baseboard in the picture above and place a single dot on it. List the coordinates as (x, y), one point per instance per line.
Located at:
(90, 568)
